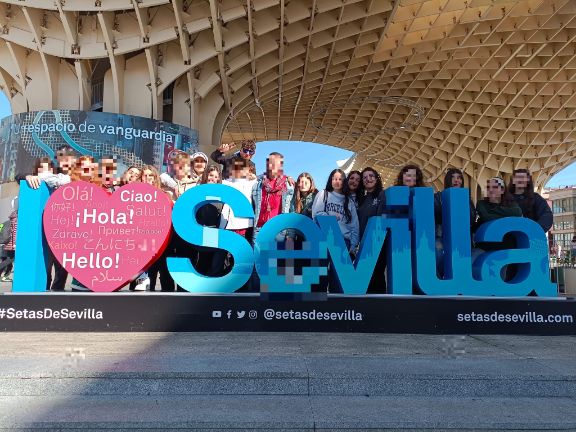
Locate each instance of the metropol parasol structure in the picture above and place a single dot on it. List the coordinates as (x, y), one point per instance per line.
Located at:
(483, 85)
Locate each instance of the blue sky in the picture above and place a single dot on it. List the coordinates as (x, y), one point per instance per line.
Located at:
(318, 159)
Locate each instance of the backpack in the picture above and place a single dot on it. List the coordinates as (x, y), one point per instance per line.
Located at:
(5, 232)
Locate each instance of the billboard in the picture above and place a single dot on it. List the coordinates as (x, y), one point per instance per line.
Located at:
(133, 140)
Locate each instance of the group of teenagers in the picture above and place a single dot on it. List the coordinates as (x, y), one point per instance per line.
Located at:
(351, 198)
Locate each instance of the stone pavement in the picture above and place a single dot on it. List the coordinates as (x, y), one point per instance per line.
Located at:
(286, 381)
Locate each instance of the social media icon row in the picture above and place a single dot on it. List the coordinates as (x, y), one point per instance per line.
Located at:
(218, 314)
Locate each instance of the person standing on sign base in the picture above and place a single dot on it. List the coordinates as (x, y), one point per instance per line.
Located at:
(532, 204)
(150, 175)
(304, 194)
(211, 261)
(271, 196)
(238, 178)
(410, 176)
(183, 178)
(44, 171)
(369, 194)
(453, 178)
(132, 175)
(86, 169)
(498, 203)
(335, 201)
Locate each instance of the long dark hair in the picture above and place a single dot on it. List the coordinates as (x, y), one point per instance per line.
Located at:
(362, 194)
(359, 183)
(419, 176)
(208, 170)
(298, 196)
(448, 177)
(507, 198)
(345, 191)
(528, 206)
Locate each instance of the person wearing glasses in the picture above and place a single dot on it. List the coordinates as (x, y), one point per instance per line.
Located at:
(247, 151)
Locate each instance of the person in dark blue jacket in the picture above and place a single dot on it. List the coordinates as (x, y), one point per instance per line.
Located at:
(532, 204)
(453, 178)
(369, 195)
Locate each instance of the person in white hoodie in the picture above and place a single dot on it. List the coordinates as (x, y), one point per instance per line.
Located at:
(335, 201)
(238, 178)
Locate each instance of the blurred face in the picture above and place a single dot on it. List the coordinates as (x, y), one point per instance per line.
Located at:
(409, 178)
(107, 170)
(304, 184)
(87, 169)
(213, 177)
(66, 163)
(353, 182)
(274, 165)
(521, 180)
(149, 177)
(181, 170)
(237, 171)
(45, 168)
(199, 165)
(337, 182)
(494, 191)
(132, 175)
(369, 180)
(456, 180)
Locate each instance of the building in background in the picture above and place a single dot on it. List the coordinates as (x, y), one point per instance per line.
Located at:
(564, 209)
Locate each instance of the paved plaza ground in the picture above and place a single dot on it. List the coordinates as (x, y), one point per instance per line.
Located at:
(286, 381)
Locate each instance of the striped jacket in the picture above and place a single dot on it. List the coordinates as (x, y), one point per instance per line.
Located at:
(11, 245)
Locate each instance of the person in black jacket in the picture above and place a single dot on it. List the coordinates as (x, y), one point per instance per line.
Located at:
(453, 178)
(247, 151)
(532, 204)
(369, 195)
(211, 261)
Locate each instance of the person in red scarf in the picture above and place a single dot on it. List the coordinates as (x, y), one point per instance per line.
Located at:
(272, 192)
(271, 196)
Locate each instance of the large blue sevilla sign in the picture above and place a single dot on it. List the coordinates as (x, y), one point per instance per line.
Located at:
(407, 233)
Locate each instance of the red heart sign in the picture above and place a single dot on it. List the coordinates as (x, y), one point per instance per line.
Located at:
(104, 240)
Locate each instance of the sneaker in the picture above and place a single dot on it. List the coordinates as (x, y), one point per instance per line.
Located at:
(142, 284)
(6, 279)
